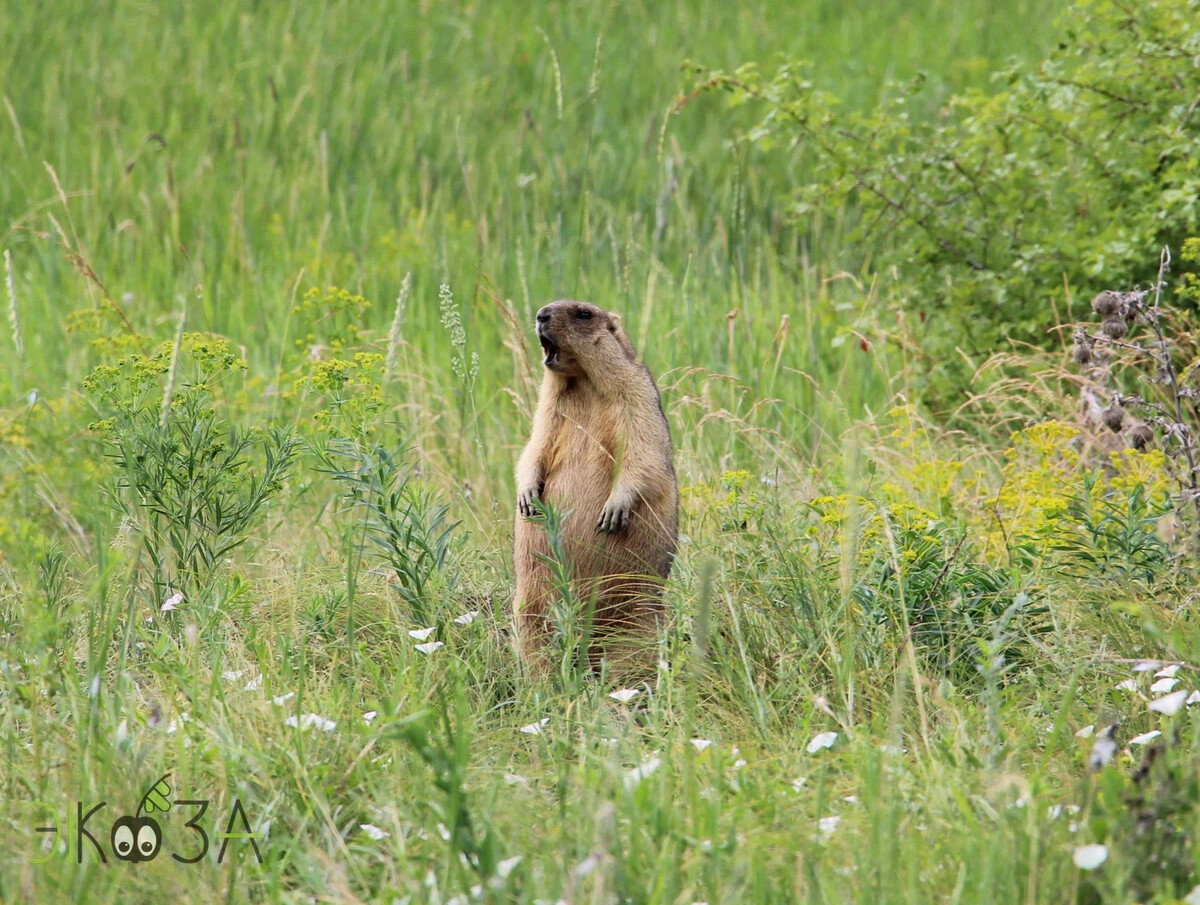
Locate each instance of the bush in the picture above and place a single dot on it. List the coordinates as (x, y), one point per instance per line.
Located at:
(1072, 172)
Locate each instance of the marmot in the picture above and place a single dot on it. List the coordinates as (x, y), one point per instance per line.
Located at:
(600, 454)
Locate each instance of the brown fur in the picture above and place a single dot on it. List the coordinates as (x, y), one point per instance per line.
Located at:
(600, 454)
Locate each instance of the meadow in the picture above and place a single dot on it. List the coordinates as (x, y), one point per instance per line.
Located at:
(266, 367)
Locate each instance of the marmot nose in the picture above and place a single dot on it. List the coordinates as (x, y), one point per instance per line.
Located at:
(543, 316)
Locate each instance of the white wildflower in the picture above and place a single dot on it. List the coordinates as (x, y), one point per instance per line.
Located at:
(535, 728)
(827, 825)
(1170, 704)
(422, 634)
(1145, 738)
(374, 832)
(505, 867)
(429, 646)
(701, 743)
(624, 695)
(821, 740)
(311, 721)
(467, 618)
(637, 774)
(1162, 686)
(171, 602)
(1089, 857)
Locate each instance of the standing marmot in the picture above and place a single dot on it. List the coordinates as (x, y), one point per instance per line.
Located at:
(600, 454)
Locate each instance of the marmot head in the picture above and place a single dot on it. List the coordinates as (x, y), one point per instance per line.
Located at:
(580, 339)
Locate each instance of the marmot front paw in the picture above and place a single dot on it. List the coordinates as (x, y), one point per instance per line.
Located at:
(527, 500)
(614, 516)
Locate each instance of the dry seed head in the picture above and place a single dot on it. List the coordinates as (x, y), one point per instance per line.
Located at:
(1141, 436)
(1107, 303)
(1114, 415)
(1114, 327)
(1083, 347)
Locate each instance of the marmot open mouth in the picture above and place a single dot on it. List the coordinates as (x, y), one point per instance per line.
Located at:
(550, 347)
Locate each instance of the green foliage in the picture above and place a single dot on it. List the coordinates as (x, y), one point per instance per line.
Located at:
(1073, 170)
(1148, 816)
(443, 742)
(403, 520)
(183, 472)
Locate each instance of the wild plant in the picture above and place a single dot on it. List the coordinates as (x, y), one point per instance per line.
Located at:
(1142, 361)
(185, 476)
(403, 521)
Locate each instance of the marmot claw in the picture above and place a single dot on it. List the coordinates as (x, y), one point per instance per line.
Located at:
(527, 502)
(614, 517)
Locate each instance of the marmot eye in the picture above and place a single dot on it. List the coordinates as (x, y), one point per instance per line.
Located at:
(583, 314)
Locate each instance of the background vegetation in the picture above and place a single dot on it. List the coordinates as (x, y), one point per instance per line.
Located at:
(267, 366)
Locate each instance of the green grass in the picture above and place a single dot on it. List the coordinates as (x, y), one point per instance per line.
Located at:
(217, 162)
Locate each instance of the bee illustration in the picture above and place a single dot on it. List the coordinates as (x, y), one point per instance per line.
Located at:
(139, 838)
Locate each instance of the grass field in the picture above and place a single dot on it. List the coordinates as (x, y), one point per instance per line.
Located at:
(320, 230)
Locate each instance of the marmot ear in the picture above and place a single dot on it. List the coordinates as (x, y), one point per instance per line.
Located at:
(614, 322)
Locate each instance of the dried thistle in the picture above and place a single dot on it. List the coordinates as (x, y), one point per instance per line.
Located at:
(1141, 436)
(1107, 303)
(1114, 327)
(1083, 347)
(1114, 416)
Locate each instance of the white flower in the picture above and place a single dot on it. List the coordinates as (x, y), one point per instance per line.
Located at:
(1089, 857)
(515, 779)
(281, 699)
(1162, 686)
(1193, 698)
(369, 716)
(1103, 748)
(821, 740)
(422, 634)
(373, 831)
(174, 725)
(171, 602)
(624, 695)
(254, 684)
(1193, 897)
(232, 675)
(637, 774)
(505, 867)
(701, 743)
(1086, 732)
(536, 728)
(1147, 665)
(1145, 738)
(826, 825)
(467, 618)
(798, 783)
(1167, 672)
(429, 646)
(1128, 685)
(1170, 704)
(310, 721)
